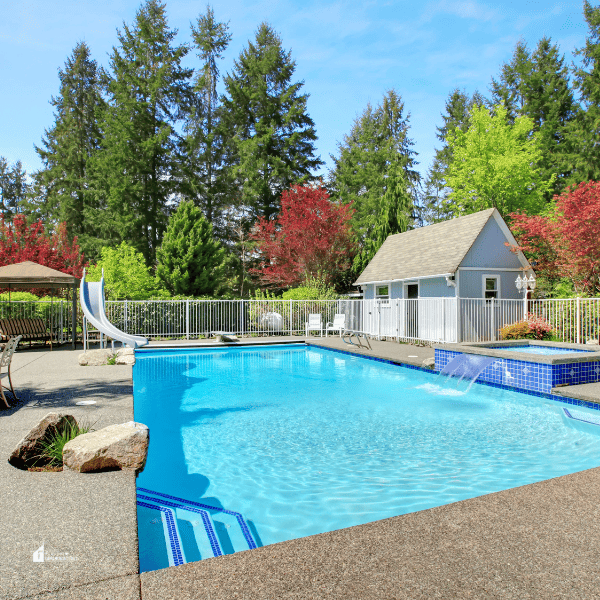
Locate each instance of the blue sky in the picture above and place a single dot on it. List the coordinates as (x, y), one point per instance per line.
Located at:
(348, 53)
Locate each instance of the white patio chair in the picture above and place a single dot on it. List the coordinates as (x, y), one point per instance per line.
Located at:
(339, 324)
(314, 323)
(5, 360)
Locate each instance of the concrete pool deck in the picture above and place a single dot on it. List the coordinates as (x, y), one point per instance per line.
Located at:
(537, 541)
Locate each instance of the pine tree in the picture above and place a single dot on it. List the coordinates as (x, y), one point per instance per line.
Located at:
(433, 205)
(190, 260)
(273, 135)
(14, 188)
(536, 85)
(375, 170)
(64, 185)
(393, 215)
(139, 151)
(206, 177)
(511, 89)
(584, 133)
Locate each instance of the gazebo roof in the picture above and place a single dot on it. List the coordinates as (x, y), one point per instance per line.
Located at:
(31, 275)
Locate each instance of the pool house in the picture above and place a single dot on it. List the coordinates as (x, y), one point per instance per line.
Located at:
(452, 281)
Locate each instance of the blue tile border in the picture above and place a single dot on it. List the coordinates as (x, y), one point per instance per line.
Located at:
(210, 532)
(206, 507)
(538, 394)
(174, 541)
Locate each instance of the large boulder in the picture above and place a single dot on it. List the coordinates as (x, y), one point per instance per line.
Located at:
(123, 446)
(28, 450)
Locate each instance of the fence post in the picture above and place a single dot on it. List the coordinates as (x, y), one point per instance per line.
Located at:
(187, 319)
(578, 320)
(457, 338)
(125, 316)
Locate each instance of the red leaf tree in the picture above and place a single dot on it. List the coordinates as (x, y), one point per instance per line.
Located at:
(21, 241)
(565, 243)
(310, 237)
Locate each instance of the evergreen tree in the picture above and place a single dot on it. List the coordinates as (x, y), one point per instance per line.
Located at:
(585, 131)
(511, 89)
(190, 260)
(206, 178)
(14, 188)
(273, 135)
(536, 85)
(433, 206)
(146, 89)
(64, 185)
(375, 170)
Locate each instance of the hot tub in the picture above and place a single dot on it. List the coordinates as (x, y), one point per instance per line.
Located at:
(529, 365)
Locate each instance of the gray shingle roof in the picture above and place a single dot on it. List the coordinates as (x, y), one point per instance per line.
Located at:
(431, 250)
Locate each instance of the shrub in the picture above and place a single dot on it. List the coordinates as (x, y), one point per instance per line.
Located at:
(52, 449)
(534, 328)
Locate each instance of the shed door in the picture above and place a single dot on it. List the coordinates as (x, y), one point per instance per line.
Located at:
(412, 310)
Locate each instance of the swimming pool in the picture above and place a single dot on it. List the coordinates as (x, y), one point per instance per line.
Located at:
(298, 440)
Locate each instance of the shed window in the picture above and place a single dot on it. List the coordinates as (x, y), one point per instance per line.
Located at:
(491, 287)
(382, 292)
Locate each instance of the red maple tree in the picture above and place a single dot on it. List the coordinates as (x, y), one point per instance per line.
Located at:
(565, 243)
(310, 237)
(21, 241)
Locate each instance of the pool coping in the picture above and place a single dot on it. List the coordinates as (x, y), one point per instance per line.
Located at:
(587, 354)
(556, 397)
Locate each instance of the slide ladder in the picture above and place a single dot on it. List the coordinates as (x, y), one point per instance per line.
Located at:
(91, 296)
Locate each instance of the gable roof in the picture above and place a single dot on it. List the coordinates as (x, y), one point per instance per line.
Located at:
(431, 250)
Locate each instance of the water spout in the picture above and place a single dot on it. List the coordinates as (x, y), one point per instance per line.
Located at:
(467, 366)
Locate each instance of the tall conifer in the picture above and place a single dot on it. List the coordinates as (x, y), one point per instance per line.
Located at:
(65, 183)
(273, 135)
(146, 89)
(375, 170)
(206, 178)
(585, 131)
(536, 85)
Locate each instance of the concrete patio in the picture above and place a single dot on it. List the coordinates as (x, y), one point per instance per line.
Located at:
(536, 541)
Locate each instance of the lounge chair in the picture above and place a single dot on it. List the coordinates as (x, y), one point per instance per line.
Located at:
(339, 324)
(5, 360)
(314, 323)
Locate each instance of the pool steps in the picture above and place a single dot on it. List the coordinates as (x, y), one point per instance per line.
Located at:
(205, 520)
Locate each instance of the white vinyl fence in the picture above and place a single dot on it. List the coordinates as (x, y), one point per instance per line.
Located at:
(419, 320)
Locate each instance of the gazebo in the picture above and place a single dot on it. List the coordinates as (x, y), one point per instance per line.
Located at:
(28, 275)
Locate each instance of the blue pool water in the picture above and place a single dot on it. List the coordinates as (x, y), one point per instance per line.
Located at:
(544, 350)
(300, 441)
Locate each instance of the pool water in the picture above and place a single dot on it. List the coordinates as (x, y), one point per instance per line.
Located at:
(543, 350)
(302, 441)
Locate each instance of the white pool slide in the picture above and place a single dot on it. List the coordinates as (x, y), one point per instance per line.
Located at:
(91, 296)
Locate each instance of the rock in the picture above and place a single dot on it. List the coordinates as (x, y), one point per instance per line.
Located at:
(123, 446)
(429, 363)
(96, 358)
(226, 338)
(29, 448)
(125, 356)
